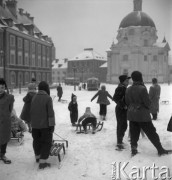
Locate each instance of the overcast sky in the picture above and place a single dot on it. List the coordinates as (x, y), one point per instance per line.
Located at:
(77, 24)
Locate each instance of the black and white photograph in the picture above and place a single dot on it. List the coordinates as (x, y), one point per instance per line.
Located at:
(85, 89)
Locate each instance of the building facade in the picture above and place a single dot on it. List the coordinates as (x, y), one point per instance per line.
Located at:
(25, 52)
(86, 65)
(59, 70)
(137, 49)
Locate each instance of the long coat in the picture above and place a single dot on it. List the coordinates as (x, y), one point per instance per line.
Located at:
(25, 114)
(73, 108)
(154, 95)
(102, 97)
(42, 112)
(59, 91)
(6, 106)
(138, 102)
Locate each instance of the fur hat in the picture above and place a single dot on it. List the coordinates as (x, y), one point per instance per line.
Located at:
(31, 86)
(72, 96)
(137, 76)
(154, 80)
(44, 86)
(122, 78)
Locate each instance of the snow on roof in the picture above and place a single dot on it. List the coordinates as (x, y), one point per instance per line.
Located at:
(59, 63)
(88, 54)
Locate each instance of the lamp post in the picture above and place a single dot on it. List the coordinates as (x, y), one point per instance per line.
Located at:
(3, 62)
(82, 70)
(74, 70)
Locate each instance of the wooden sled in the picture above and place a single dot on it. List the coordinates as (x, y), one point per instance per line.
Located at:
(58, 149)
(89, 126)
(19, 136)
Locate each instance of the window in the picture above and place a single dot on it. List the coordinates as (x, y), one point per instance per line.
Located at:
(13, 78)
(43, 50)
(48, 77)
(43, 77)
(145, 58)
(26, 45)
(39, 61)
(43, 62)
(12, 40)
(20, 61)
(125, 58)
(20, 43)
(125, 72)
(48, 62)
(26, 77)
(33, 60)
(26, 59)
(145, 42)
(155, 58)
(39, 49)
(33, 47)
(12, 57)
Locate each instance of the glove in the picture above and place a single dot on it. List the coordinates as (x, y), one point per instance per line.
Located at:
(51, 129)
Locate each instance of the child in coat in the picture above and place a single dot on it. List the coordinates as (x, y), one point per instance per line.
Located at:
(88, 118)
(73, 108)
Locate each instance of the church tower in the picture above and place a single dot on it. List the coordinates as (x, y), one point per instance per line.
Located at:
(137, 48)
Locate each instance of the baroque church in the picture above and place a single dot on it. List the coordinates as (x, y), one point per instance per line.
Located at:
(137, 49)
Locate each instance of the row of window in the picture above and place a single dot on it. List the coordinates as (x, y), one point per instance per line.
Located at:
(24, 44)
(34, 61)
(24, 78)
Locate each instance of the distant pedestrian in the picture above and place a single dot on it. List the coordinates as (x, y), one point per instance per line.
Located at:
(59, 92)
(154, 95)
(138, 114)
(73, 108)
(121, 109)
(102, 101)
(88, 118)
(43, 123)
(6, 106)
(25, 114)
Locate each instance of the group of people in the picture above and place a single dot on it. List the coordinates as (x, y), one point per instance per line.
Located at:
(133, 103)
(37, 112)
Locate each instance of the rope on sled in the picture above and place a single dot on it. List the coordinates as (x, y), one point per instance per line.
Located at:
(62, 139)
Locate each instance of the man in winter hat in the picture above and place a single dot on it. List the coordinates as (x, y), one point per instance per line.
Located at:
(138, 114)
(121, 109)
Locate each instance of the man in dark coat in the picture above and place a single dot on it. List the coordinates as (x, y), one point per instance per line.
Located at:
(42, 122)
(121, 109)
(6, 106)
(154, 95)
(59, 92)
(138, 113)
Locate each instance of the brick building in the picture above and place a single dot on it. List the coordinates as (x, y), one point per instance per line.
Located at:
(24, 51)
(86, 65)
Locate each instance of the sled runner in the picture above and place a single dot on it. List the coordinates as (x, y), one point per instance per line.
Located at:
(165, 102)
(19, 136)
(89, 126)
(58, 148)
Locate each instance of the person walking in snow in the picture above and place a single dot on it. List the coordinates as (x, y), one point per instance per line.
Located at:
(138, 114)
(121, 109)
(154, 95)
(42, 123)
(59, 92)
(73, 108)
(6, 106)
(102, 101)
(25, 114)
(86, 118)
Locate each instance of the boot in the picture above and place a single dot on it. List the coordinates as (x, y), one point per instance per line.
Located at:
(134, 151)
(5, 159)
(164, 152)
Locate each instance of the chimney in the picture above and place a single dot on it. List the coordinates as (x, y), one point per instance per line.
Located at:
(137, 5)
(31, 18)
(20, 11)
(12, 6)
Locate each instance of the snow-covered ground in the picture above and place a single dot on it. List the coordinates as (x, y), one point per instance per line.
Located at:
(89, 156)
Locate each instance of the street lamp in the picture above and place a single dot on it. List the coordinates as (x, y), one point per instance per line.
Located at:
(3, 62)
(82, 70)
(74, 70)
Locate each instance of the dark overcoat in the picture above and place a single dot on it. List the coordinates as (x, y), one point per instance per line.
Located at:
(6, 106)
(59, 91)
(42, 112)
(138, 102)
(154, 95)
(25, 114)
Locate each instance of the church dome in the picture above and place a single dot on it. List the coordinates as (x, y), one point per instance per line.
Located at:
(136, 18)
